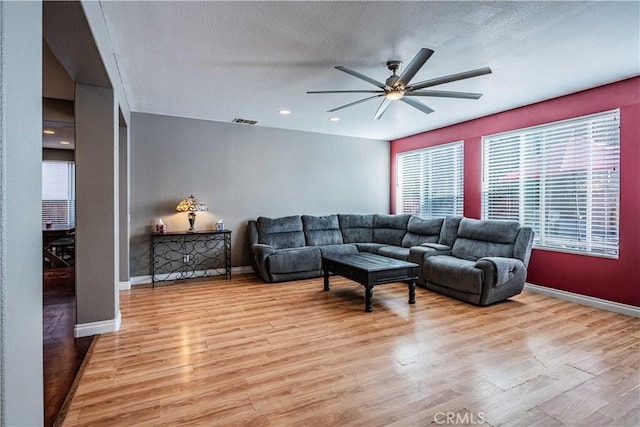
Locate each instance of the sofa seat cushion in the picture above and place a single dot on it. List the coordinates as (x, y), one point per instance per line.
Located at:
(454, 273)
(281, 233)
(321, 230)
(394, 252)
(295, 260)
(333, 250)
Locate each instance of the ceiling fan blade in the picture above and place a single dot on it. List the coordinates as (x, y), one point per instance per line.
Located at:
(416, 63)
(450, 78)
(381, 109)
(418, 105)
(345, 91)
(354, 103)
(361, 76)
(445, 94)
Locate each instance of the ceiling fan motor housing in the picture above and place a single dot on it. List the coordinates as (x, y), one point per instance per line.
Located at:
(393, 66)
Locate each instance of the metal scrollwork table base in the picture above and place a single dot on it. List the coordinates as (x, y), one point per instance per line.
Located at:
(186, 255)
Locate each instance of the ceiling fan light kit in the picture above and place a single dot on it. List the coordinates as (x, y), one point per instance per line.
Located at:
(394, 95)
(398, 87)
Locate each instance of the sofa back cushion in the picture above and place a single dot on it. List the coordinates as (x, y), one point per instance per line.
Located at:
(281, 233)
(321, 230)
(421, 231)
(523, 245)
(390, 229)
(449, 231)
(356, 228)
(477, 239)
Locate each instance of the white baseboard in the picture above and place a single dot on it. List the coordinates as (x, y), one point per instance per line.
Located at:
(603, 304)
(140, 280)
(145, 280)
(245, 269)
(124, 286)
(96, 328)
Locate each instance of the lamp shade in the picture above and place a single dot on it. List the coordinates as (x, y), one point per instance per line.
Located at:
(191, 204)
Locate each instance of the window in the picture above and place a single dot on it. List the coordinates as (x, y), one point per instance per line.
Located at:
(562, 179)
(430, 181)
(58, 192)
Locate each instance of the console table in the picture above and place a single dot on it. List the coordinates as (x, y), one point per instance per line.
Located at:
(185, 255)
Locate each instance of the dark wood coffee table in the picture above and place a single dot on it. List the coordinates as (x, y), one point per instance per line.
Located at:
(370, 270)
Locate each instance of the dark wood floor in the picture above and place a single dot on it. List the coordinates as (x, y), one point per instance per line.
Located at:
(62, 354)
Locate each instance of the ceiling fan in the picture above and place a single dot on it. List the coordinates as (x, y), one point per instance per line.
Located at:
(398, 87)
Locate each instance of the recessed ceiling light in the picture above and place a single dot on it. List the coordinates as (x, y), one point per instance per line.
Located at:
(285, 112)
(65, 142)
(335, 119)
(49, 132)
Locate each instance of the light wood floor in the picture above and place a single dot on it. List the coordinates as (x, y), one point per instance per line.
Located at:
(242, 352)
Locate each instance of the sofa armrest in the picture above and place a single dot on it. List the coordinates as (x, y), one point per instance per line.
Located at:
(260, 254)
(418, 253)
(438, 247)
(433, 249)
(499, 270)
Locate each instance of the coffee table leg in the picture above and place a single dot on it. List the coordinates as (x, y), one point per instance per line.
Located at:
(368, 294)
(326, 279)
(412, 292)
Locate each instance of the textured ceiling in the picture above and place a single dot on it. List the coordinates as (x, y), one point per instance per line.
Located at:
(222, 60)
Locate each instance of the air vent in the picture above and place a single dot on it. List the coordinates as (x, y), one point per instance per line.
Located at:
(245, 121)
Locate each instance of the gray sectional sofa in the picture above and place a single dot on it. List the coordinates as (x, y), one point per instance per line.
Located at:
(477, 261)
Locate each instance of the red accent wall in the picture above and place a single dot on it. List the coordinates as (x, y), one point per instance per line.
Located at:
(611, 279)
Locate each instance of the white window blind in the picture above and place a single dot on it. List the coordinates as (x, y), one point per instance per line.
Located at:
(430, 181)
(562, 179)
(58, 192)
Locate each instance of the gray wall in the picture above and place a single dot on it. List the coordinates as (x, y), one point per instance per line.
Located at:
(97, 271)
(123, 201)
(20, 213)
(242, 172)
